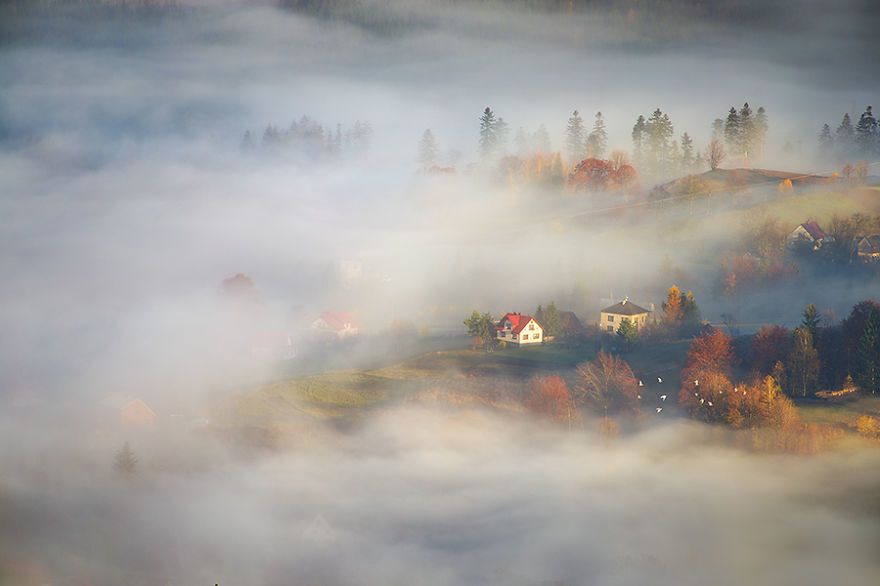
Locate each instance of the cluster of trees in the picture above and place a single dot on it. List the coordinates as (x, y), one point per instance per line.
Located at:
(861, 140)
(708, 394)
(760, 257)
(580, 143)
(681, 315)
(655, 150)
(744, 132)
(614, 174)
(309, 139)
(605, 386)
(814, 355)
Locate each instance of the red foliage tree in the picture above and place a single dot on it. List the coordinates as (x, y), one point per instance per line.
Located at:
(600, 175)
(709, 352)
(549, 397)
(770, 345)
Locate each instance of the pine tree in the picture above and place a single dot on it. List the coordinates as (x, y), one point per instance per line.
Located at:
(844, 137)
(521, 140)
(826, 141)
(638, 138)
(488, 133)
(747, 130)
(868, 355)
(659, 130)
(427, 149)
(574, 138)
(687, 152)
(733, 132)
(866, 133)
(761, 127)
(552, 323)
(597, 142)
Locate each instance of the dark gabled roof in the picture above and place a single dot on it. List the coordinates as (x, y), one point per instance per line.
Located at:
(625, 307)
(813, 229)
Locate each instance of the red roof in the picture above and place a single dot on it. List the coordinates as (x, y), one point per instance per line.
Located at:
(337, 320)
(813, 229)
(518, 322)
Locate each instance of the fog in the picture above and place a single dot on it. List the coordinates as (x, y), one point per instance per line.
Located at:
(126, 197)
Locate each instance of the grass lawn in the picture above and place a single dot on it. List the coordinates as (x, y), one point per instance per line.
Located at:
(842, 414)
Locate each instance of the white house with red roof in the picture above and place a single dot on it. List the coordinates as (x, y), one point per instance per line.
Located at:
(340, 323)
(517, 328)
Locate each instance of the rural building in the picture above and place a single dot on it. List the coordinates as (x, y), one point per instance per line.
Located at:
(517, 328)
(136, 413)
(808, 234)
(572, 327)
(867, 248)
(341, 324)
(611, 317)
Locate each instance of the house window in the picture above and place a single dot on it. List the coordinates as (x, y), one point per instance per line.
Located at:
(531, 326)
(610, 328)
(610, 318)
(536, 336)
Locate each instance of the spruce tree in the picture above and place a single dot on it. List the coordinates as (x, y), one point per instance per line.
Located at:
(811, 319)
(868, 355)
(718, 129)
(597, 142)
(638, 138)
(761, 127)
(747, 130)
(826, 141)
(125, 461)
(541, 140)
(733, 132)
(427, 149)
(659, 130)
(687, 152)
(844, 137)
(866, 133)
(574, 137)
(488, 136)
(502, 135)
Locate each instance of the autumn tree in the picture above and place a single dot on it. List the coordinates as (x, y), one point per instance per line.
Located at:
(770, 345)
(607, 384)
(703, 398)
(549, 397)
(681, 316)
(803, 363)
(709, 352)
(715, 153)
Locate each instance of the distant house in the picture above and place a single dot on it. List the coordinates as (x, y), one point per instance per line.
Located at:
(611, 317)
(341, 324)
(808, 234)
(867, 248)
(129, 411)
(517, 328)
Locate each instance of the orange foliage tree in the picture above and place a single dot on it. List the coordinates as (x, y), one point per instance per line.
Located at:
(601, 175)
(709, 352)
(549, 397)
(608, 384)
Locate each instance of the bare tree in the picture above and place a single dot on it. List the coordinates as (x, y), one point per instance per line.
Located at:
(715, 153)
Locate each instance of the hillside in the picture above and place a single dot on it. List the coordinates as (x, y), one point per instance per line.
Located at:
(718, 180)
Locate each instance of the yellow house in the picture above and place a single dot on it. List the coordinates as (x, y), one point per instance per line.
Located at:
(610, 318)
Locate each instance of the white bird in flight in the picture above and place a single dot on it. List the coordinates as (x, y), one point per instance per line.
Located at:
(659, 380)
(639, 396)
(696, 383)
(659, 409)
(662, 397)
(710, 403)
(702, 401)
(641, 384)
